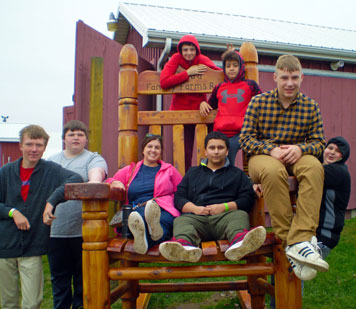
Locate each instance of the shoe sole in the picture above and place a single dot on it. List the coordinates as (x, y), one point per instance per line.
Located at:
(137, 228)
(252, 241)
(175, 252)
(320, 266)
(153, 217)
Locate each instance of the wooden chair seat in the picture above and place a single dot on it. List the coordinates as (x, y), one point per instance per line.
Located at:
(121, 248)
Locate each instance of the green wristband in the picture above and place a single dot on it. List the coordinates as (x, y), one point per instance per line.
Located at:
(226, 207)
(11, 212)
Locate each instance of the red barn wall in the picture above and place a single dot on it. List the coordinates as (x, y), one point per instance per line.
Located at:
(91, 43)
(9, 151)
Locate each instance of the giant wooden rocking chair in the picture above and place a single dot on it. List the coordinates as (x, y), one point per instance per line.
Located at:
(99, 252)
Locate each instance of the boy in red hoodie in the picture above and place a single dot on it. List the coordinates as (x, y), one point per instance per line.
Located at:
(193, 62)
(231, 98)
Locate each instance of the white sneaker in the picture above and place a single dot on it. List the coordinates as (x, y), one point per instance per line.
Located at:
(137, 228)
(178, 250)
(245, 243)
(306, 253)
(303, 272)
(153, 217)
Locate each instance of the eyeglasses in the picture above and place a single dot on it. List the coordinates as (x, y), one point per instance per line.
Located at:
(154, 135)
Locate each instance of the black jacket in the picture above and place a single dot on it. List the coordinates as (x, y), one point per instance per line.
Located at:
(336, 195)
(203, 187)
(46, 184)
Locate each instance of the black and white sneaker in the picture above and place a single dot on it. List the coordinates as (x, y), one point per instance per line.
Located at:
(303, 272)
(307, 254)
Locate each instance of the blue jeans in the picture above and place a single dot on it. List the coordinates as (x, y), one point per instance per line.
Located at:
(234, 148)
(65, 263)
(166, 221)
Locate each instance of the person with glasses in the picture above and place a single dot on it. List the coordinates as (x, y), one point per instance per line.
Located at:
(150, 185)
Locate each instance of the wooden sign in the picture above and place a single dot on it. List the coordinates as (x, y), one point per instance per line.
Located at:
(148, 83)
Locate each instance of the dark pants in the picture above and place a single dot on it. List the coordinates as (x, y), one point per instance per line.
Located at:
(189, 132)
(234, 148)
(65, 263)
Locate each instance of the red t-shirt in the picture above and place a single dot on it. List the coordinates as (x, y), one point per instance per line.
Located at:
(25, 175)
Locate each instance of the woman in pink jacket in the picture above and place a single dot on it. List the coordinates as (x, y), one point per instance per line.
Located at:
(150, 185)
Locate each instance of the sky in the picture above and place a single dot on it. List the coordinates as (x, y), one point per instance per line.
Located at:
(37, 46)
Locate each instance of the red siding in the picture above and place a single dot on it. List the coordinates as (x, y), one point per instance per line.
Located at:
(91, 43)
(149, 54)
(9, 151)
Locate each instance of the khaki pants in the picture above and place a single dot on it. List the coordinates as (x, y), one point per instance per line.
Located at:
(195, 228)
(273, 175)
(30, 272)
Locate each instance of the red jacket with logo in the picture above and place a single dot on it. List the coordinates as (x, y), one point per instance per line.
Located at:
(169, 78)
(231, 98)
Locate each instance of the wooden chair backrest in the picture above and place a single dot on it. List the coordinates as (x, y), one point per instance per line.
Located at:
(147, 83)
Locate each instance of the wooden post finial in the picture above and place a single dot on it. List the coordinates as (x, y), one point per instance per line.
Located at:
(128, 81)
(250, 56)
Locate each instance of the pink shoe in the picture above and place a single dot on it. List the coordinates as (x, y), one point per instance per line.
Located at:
(178, 250)
(245, 243)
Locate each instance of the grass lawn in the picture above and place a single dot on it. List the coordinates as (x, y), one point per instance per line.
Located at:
(333, 289)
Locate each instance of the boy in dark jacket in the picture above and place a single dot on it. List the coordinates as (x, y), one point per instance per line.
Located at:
(26, 187)
(231, 98)
(190, 59)
(214, 199)
(336, 194)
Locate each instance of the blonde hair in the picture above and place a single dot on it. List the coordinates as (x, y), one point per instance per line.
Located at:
(34, 132)
(288, 63)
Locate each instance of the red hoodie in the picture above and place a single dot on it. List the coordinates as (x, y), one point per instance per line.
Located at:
(169, 78)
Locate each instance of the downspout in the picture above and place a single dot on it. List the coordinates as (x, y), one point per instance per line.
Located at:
(161, 61)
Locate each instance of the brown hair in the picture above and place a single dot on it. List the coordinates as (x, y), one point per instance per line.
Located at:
(288, 63)
(230, 55)
(151, 137)
(74, 125)
(34, 132)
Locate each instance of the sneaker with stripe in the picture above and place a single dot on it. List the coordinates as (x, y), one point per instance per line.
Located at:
(307, 254)
(180, 250)
(303, 272)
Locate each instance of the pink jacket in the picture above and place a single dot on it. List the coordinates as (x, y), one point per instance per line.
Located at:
(166, 182)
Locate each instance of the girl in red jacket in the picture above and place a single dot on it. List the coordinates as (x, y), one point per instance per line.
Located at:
(194, 63)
